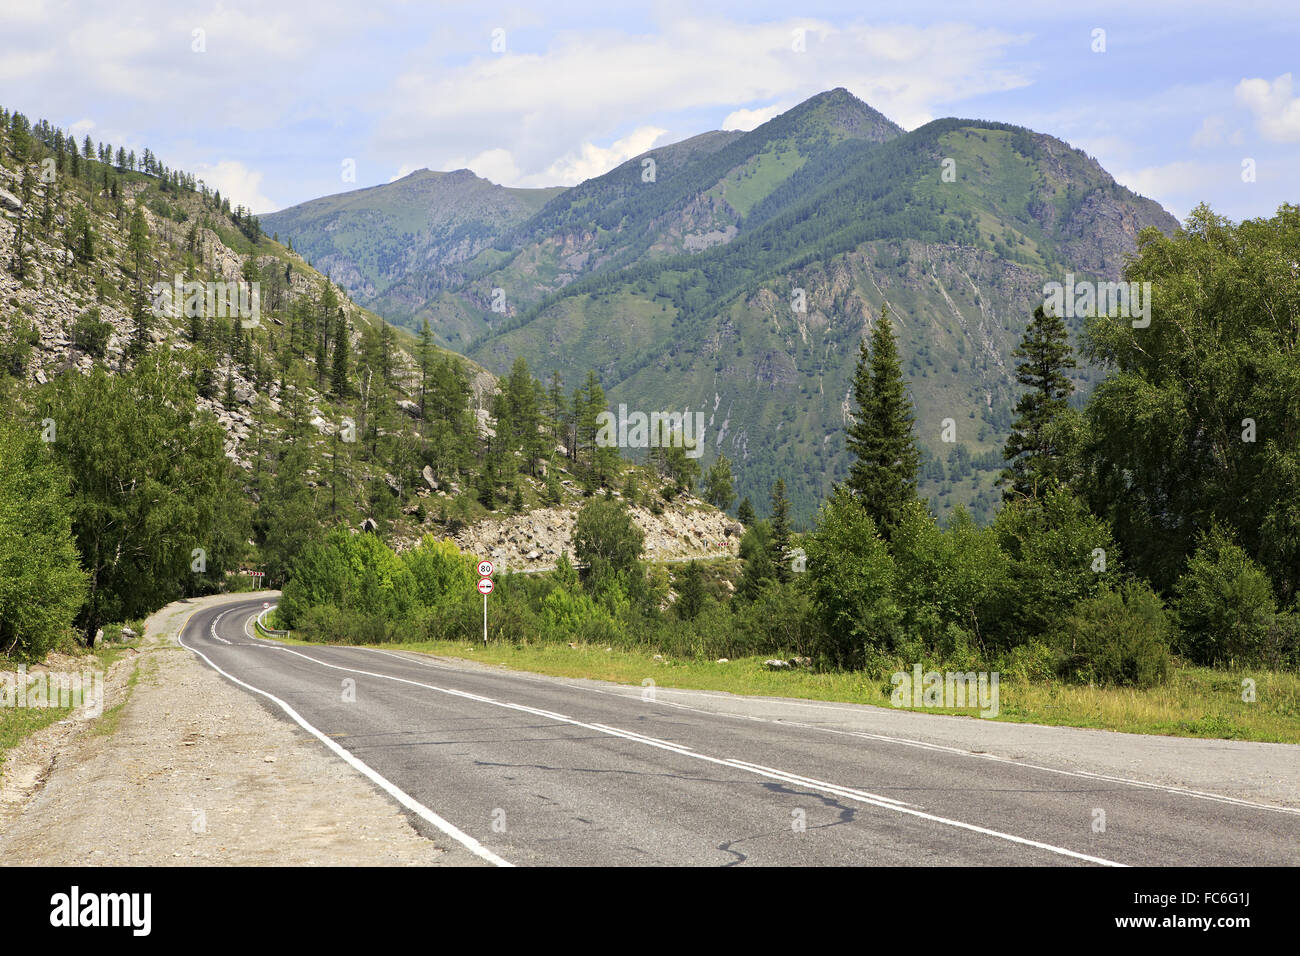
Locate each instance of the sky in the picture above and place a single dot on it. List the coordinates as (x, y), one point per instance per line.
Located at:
(275, 103)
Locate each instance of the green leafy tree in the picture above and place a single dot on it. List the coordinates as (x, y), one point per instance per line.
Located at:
(155, 507)
(852, 580)
(1225, 603)
(1059, 553)
(42, 585)
(606, 543)
(1197, 422)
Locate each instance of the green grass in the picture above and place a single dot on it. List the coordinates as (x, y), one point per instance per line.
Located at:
(1196, 702)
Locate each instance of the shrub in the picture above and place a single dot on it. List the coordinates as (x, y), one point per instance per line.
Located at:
(1225, 603)
(851, 580)
(90, 333)
(948, 578)
(1119, 636)
(441, 573)
(1051, 544)
(780, 620)
(351, 572)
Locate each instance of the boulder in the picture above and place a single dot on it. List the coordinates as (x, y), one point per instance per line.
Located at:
(9, 201)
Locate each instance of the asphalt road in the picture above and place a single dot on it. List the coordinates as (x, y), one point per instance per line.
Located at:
(520, 770)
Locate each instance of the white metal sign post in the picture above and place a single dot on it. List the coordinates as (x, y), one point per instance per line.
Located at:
(485, 588)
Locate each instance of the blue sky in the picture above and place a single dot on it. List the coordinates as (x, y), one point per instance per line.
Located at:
(281, 95)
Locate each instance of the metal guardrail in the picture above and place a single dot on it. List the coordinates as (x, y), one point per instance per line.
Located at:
(270, 632)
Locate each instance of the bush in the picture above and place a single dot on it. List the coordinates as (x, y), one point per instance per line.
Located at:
(440, 571)
(332, 625)
(780, 620)
(90, 333)
(1119, 636)
(350, 572)
(948, 578)
(1051, 544)
(851, 580)
(1225, 603)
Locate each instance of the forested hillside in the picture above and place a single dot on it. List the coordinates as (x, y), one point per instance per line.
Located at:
(735, 273)
(156, 438)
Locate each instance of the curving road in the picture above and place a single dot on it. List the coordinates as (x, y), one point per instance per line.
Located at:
(516, 769)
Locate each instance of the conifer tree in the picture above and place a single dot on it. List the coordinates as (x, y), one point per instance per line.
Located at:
(886, 459)
(340, 370)
(780, 524)
(1031, 453)
(745, 513)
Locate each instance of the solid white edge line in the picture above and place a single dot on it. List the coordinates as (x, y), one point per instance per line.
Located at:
(391, 789)
(749, 768)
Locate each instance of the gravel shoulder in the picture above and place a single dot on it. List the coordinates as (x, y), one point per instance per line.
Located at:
(194, 771)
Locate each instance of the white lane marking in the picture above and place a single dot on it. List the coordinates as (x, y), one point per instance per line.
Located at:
(835, 789)
(632, 694)
(212, 628)
(391, 789)
(645, 737)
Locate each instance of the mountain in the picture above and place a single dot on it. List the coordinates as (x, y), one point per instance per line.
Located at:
(314, 411)
(368, 240)
(680, 291)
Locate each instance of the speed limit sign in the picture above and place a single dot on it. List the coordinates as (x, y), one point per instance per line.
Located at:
(485, 569)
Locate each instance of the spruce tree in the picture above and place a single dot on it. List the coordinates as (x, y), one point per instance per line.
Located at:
(780, 523)
(339, 371)
(886, 459)
(718, 484)
(745, 513)
(1031, 453)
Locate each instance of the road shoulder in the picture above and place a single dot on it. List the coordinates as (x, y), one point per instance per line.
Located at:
(195, 771)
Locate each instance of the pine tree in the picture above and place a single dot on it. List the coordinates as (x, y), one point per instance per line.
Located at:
(883, 474)
(137, 243)
(1031, 453)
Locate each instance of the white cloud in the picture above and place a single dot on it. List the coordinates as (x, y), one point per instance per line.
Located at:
(238, 183)
(1276, 110)
(586, 86)
(592, 160)
(749, 119)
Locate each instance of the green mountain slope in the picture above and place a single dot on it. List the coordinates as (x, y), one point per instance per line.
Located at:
(960, 264)
(679, 288)
(368, 240)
